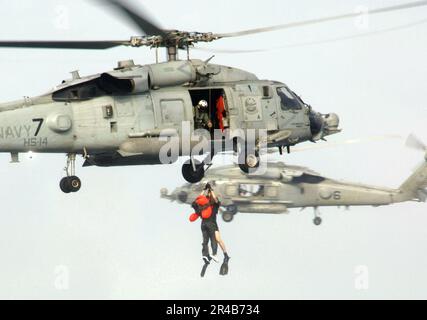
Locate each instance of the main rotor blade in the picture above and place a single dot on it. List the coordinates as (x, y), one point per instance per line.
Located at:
(90, 45)
(321, 20)
(316, 42)
(143, 23)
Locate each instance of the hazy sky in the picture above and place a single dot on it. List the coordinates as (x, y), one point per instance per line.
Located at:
(117, 239)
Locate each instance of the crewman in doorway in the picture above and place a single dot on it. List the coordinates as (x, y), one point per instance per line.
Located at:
(201, 116)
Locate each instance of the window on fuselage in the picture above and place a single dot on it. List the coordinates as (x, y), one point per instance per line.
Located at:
(251, 190)
(308, 178)
(287, 99)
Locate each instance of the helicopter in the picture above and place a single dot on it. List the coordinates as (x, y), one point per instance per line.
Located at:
(132, 114)
(282, 187)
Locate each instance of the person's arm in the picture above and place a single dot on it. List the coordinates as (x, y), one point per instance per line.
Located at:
(214, 197)
(207, 120)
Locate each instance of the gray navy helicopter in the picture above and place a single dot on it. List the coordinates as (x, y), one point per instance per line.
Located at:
(282, 187)
(118, 117)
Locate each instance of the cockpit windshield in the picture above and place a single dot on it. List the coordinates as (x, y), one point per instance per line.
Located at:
(289, 101)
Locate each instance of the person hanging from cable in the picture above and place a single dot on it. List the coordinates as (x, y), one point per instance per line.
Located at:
(206, 206)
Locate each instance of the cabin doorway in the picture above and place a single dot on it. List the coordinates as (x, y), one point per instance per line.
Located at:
(218, 114)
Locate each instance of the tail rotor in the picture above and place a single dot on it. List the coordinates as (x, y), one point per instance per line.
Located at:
(415, 143)
(415, 186)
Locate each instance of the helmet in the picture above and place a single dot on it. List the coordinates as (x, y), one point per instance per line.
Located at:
(203, 104)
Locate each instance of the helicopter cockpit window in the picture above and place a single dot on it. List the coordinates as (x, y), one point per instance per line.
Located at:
(251, 190)
(288, 100)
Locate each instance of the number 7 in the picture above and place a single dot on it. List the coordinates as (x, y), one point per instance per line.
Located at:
(40, 121)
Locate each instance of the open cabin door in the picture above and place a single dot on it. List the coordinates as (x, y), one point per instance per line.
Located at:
(218, 105)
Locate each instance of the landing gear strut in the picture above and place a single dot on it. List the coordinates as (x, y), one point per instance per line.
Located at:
(70, 183)
(317, 219)
(249, 159)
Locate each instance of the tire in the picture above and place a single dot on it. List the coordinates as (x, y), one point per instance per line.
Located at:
(249, 162)
(64, 185)
(190, 175)
(227, 216)
(317, 221)
(182, 197)
(232, 208)
(74, 183)
(243, 167)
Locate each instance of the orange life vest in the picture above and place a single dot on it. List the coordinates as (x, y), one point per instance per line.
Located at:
(204, 208)
(220, 108)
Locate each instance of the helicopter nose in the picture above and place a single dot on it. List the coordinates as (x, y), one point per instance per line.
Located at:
(332, 121)
(322, 125)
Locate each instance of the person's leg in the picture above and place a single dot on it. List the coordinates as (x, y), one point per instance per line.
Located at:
(220, 242)
(224, 267)
(214, 243)
(205, 248)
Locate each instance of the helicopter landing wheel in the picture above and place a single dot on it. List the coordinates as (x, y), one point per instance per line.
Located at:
(249, 162)
(64, 185)
(75, 183)
(227, 216)
(191, 175)
(182, 197)
(232, 208)
(317, 221)
(70, 184)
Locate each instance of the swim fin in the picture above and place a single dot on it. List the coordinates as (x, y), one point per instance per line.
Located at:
(223, 271)
(205, 266)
